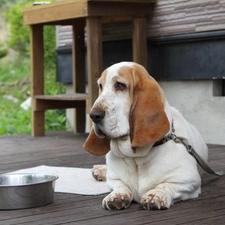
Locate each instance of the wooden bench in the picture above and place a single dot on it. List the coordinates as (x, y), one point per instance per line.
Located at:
(80, 14)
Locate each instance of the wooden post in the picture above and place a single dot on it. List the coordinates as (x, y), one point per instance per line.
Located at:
(78, 57)
(37, 77)
(94, 52)
(140, 41)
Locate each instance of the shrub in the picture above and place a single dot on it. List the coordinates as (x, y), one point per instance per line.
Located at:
(19, 38)
(19, 34)
(13, 119)
(3, 51)
(19, 121)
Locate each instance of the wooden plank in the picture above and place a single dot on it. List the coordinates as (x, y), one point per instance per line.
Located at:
(60, 101)
(65, 149)
(37, 59)
(118, 9)
(64, 97)
(78, 53)
(115, 19)
(37, 76)
(94, 53)
(42, 105)
(73, 9)
(139, 41)
(57, 11)
(128, 1)
(78, 58)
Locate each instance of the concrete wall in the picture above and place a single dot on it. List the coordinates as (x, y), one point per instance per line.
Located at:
(70, 113)
(200, 105)
(198, 101)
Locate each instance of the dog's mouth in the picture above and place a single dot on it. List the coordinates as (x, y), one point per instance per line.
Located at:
(101, 134)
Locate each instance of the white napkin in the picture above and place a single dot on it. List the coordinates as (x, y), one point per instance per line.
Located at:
(71, 180)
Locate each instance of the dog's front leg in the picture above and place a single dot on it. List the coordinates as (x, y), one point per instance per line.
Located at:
(165, 194)
(119, 198)
(99, 172)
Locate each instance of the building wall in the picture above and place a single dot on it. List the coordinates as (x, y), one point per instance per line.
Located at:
(169, 17)
(183, 16)
(200, 105)
(198, 100)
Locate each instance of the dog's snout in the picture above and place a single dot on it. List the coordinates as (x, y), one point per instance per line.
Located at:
(97, 115)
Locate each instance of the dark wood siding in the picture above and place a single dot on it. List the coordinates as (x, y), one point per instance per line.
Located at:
(169, 18)
(186, 40)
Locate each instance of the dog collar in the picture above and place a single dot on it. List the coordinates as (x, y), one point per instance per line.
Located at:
(190, 150)
(169, 137)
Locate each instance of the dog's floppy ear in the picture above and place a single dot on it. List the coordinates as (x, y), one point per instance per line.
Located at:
(148, 120)
(96, 145)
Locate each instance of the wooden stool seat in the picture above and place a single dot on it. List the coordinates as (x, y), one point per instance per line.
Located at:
(60, 101)
(80, 14)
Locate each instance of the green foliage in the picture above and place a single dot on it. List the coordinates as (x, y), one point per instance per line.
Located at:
(14, 74)
(55, 120)
(4, 2)
(19, 34)
(19, 38)
(49, 47)
(17, 121)
(3, 51)
(14, 70)
(52, 87)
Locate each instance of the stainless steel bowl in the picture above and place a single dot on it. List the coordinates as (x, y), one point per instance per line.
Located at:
(20, 191)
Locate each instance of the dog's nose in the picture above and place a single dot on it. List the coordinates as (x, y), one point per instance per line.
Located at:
(97, 115)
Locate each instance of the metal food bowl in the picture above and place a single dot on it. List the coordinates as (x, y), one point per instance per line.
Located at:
(20, 191)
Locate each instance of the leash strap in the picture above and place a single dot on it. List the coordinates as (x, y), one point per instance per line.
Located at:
(200, 161)
(190, 150)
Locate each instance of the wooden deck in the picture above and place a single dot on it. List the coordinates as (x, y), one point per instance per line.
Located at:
(65, 149)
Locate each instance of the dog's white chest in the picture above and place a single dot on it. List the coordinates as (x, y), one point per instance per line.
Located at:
(132, 170)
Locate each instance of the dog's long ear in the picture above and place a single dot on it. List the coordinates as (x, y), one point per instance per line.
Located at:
(148, 119)
(95, 145)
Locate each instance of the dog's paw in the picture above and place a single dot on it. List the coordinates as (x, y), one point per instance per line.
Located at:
(99, 172)
(117, 200)
(156, 199)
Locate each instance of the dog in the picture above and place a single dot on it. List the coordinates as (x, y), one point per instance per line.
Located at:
(129, 116)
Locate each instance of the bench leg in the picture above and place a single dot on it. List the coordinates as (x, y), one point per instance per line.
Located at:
(37, 77)
(94, 52)
(78, 53)
(38, 123)
(140, 41)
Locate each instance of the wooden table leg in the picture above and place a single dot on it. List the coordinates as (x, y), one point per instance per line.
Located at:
(94, 52)
(140, 41)
(37, 77)
(78, 53)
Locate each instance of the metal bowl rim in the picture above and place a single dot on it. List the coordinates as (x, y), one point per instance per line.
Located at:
(53, 178)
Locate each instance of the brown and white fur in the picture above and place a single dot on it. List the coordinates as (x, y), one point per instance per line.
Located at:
(129, 116)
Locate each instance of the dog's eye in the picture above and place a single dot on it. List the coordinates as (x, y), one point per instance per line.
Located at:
(120, 86)
(100, 86)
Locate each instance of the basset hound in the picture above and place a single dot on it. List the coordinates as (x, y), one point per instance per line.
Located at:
(130, 115)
